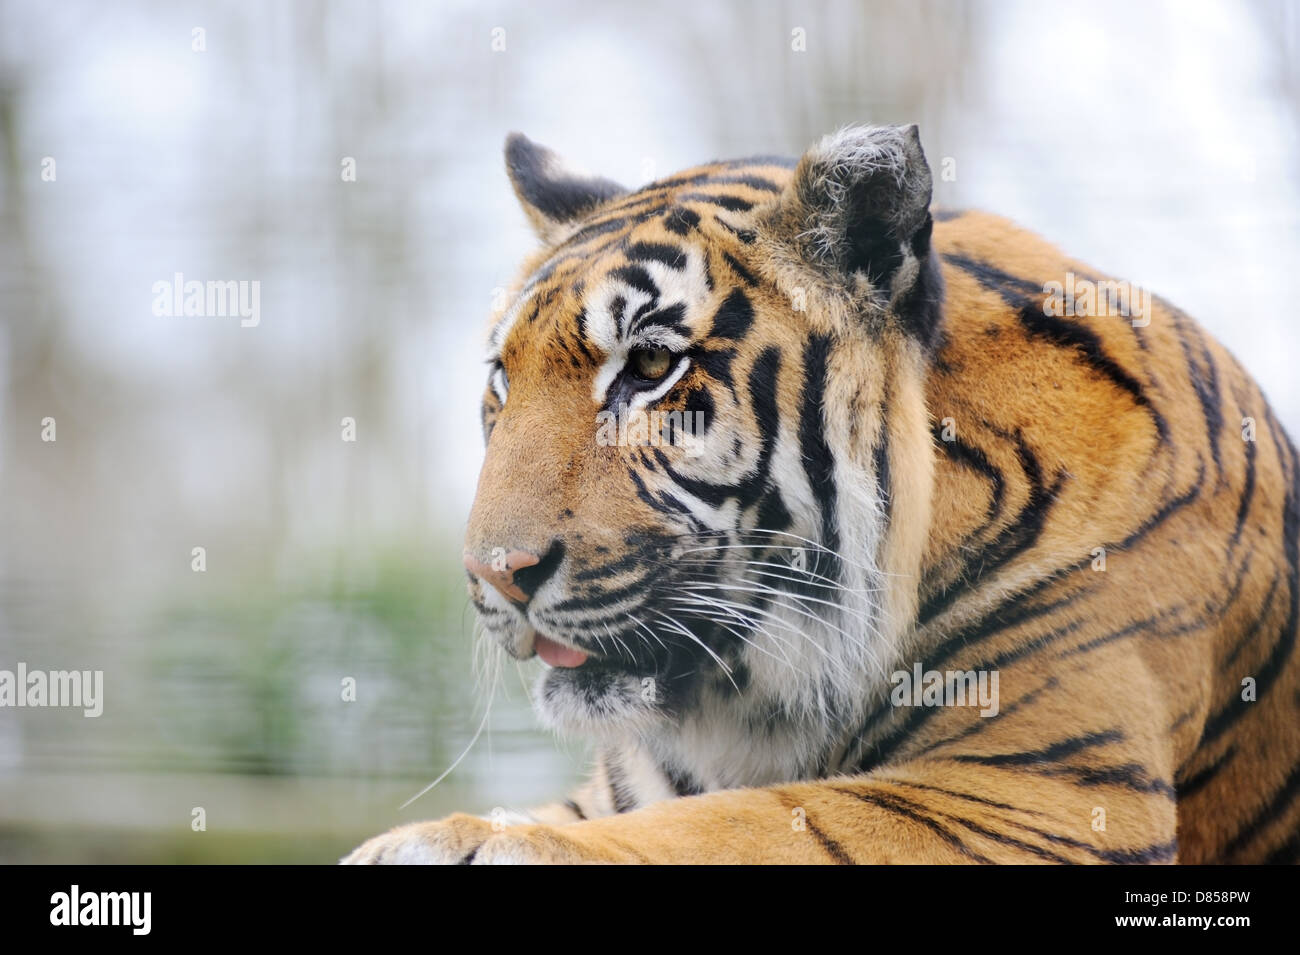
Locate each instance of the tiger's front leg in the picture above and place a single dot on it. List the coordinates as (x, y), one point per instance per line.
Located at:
(933, 812)
(457, 838)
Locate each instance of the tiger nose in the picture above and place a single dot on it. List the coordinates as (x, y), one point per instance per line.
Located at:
(501, 572)
(519, 573)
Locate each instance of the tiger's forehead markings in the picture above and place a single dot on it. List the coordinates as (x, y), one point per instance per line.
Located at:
(571, 257)
(644, 272)
(668, 274)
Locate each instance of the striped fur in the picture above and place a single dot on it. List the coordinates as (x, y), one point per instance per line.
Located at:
(909, 460)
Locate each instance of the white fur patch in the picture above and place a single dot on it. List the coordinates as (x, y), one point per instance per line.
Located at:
(687, 286)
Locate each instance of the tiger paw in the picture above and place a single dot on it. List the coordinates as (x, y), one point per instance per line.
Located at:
(450, 841)
(530, 845)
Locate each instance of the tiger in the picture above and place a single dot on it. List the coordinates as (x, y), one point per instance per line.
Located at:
(883, 449)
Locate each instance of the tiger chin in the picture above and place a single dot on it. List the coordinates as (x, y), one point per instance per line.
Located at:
(768, 440)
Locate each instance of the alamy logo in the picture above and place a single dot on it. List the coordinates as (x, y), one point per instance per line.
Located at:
(77, 688)
(1083, 298)
(951, 688)
(75, 907)
(638, 428)
(216, 299)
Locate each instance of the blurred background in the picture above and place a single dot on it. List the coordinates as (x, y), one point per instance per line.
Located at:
(1156, 141)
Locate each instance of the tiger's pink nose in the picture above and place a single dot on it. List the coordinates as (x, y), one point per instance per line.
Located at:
(500, 573)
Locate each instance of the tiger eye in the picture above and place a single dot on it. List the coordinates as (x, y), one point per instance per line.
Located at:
(651, 363)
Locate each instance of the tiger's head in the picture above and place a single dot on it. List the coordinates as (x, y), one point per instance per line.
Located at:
(708, 459)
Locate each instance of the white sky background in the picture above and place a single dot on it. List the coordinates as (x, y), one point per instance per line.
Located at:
(1155, 141)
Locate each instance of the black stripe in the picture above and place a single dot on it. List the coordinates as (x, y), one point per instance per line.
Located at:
(966, 796)
(880, 460)
(1288, 853)
(618, 309)
(762, 389)
(716, 363)
(833, 848)
(910, 810)
(672, 318)
(1149, 625)
(602, 571)
(668, 255)
(620, 796)
(972, 457)
(1019, 536)
(743, 273)
(654, 190)
(1156, 853)
(1247, 638)
(700, 407)
(1011, 613)
(754, 182)
(1182, 718)
(815, 451)
(1247, 494)
(1059, 332)
(1207, 389)
(1167, 510)
(1128, 775)
(1268, 672)
(600, 597)
(1053, 752)
(1272, 812)
(1198, 781)
(734, 317)
(885, 748)
(979, 726)
(747, 236)
(581, 320)
(730, 203)
(662, 502)
(681, 782)
(1015, 611)
(1071, 335)
(772, 512)
(594, 229)
(679, 220)
(638, 278)
(1006, 840)
(1243, 567)
(1160, 852)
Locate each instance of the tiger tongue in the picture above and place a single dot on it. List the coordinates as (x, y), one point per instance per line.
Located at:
(557, 654)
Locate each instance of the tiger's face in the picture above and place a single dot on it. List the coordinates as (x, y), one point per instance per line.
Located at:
(667, 515)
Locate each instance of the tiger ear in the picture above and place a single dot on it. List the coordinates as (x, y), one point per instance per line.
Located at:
(553, 196)
(855, 219)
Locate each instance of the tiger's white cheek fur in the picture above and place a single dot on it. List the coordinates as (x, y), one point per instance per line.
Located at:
(808, 662)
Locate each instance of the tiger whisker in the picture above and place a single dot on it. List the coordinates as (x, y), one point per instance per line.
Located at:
(707, 649)
(693, 605)
(782, 602)
(648, 630)
(782, 623)
(829, 585)
(759, 588)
